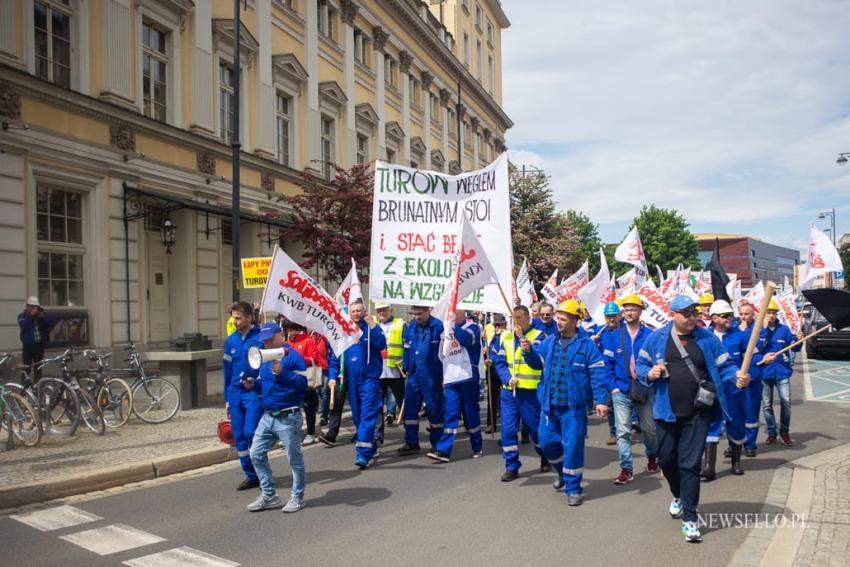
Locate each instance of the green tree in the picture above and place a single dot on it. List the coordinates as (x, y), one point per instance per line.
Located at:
(845, 259)
(587, 238)
(540, 234)
(666, 239)
(333, 220)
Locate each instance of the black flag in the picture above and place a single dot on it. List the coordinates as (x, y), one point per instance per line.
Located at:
(719, 279)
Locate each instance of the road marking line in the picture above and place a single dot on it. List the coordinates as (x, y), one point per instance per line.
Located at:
(112, 539)
(833, 381)
(834, 394)
(180, 557)
(807, 379)
(56, 518)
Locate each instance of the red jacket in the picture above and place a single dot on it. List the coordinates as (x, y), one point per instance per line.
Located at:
(313, 348)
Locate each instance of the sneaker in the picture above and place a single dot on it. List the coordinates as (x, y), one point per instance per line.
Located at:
(361, 462)
(309, 440)
(785, 438)
(652, 465)
(390, 419)
(295, 503)
(477, 454)
(771, 439)
(675, 507)
(750, 451)
(625, 477)
(575, 499)
(263, 503)
(327, 441)
(408, 449)
(508, 476)
(248, 484)
(611, 440)
(691, 532)
(439, 456)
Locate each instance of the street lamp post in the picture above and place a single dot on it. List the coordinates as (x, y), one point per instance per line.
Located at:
(831, 215)
(236, 148)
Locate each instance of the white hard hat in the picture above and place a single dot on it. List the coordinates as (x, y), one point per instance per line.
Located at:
(33, 300)
(720, 307)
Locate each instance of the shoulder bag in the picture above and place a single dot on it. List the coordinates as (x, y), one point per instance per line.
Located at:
(704, 400)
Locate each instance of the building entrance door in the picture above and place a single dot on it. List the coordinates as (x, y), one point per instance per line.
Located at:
(158, 294)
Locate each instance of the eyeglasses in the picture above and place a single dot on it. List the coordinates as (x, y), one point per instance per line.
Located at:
(725, 316)
(688, 313)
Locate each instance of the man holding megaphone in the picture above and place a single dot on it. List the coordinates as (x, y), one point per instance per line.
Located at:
(243, 405)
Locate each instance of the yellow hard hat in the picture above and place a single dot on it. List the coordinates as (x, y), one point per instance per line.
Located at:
(632, 299)
(570, 306)
(706, 299)
(773, 305)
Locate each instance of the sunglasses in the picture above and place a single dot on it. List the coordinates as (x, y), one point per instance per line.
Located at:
(688, 313)
(725, 316)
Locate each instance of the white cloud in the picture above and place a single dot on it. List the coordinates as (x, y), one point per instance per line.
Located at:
(731, 112)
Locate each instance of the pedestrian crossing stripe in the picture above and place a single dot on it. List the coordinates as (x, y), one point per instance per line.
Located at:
(112, 539)
(180, 557)
(56, 518)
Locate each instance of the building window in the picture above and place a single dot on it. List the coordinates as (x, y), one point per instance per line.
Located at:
(489, 32)
(490, 78)
(154, 72)
(450, 117)
(225, 109)
(478, 16)
(283, 109)
(59, 231)
(362, 148)
(362, 50)
(52, 23)
(466, 49)
(479, 61)
(327, 146)
(414, 91)
(227, 232)
(390, 156)
(326, 19)
(390, 71)
(465, 5)
(435, 107)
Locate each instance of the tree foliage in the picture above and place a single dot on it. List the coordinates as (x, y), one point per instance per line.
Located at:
(542, 235)
(666, 239)
(587, 238)
(333, 220)
(845, 260)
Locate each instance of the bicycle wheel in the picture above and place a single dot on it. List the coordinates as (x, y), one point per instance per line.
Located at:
(21, 419)
(115, 401)
(58, 407)
(155, 400)
(90, 413)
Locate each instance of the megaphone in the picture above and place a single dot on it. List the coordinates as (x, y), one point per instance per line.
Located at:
(257, 356)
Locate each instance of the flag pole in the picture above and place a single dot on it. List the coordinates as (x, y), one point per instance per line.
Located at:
(792, 345)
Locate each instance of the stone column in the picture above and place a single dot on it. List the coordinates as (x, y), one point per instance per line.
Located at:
(264, 137)
(203, 84)
(117, 74)
(349, 12)
(405, 59)
(379, 40)
(427, 79)
(474, 122)
(445, 97)
(313, 121)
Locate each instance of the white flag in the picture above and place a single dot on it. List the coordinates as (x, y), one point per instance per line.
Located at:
(656, 312)
(788, 314)
(823, 257)
(550, 290)
(349, 289)
(524, 287)
(295, 295)
(570, 287)
(630, 251)
(627, 282)
(594, 295)
(472, 271)
(754, 296)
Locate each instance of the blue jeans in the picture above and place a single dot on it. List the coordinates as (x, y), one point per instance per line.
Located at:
(287, 429)
(623, 408)
(783, 387)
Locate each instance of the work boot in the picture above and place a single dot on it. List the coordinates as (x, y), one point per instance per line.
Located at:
(710, 458)
(544, 465)
(736, 460)
(727, 453)
(408, 449)
(508, 476)
(248, 484)
(524, 438)
(575, 499)
(559, 483)
(750, 451)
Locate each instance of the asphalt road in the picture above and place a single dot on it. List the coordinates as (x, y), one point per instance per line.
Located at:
(410, 511)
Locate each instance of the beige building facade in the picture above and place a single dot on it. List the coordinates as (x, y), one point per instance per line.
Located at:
(115, 172)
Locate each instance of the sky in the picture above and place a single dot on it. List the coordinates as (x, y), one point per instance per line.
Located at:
(731, 112)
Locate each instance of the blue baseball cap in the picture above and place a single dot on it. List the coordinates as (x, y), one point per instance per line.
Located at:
(682, 302)
(269, 330)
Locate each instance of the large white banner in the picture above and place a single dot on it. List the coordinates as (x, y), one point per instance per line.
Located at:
(415, 216)
(295, 295)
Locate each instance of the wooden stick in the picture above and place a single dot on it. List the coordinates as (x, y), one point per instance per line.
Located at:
(333, 395)
(400, 418)
(804, 339)
(754, 336)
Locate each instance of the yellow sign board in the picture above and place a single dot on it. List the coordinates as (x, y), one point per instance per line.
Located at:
(255, 271)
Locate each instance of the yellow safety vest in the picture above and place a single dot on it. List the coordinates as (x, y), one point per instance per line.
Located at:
(527, 377)
(231, 326)
(395, 343)
(490, 333)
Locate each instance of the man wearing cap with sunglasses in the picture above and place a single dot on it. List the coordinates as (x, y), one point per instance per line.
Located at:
(735, 343)
(282, 386)
(683, 363)
(35, 327)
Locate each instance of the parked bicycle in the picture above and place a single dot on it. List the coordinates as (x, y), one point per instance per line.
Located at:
(155, 399)
(17, 417)
(112, 394)
(56, 402)
(90, 413)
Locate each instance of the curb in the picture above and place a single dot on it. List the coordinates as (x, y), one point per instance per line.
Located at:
(109, 477)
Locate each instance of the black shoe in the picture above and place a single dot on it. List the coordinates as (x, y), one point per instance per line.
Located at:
(544, 465)
(327, 441)
(750, 451)
(248, 484)
(490, 430)
(728, 452)
(508, 476)
(524, 438)
(737, 470)
(323, 422)
(390, 419)
(708, 472)
(559, 484)
(407, 449)
(439, 456)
